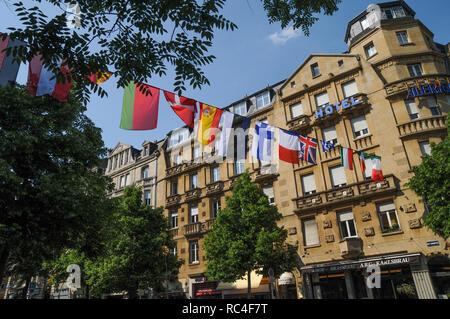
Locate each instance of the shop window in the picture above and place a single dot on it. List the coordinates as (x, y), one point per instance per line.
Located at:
(347, 224)
(388, 217)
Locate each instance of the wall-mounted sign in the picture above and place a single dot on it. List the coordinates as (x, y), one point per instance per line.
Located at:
(423, 90)
(432, 243)
(330, 109)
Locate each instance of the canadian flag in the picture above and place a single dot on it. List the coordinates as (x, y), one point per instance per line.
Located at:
(184, 107)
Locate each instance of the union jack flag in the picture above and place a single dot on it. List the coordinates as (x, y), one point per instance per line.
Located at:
(308, 149)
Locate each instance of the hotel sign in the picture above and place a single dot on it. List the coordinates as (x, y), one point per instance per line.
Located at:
(381, 262)
(330, 109)
(423, 90)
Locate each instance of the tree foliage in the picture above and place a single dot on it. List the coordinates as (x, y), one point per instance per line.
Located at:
(136, 254)
(50, 192)
(138, 40)
(245, 237)
(432, 182)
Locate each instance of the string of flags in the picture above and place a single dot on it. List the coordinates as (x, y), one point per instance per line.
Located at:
(140, 112)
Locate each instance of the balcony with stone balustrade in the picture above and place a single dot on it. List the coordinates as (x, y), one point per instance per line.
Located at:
(413, 129)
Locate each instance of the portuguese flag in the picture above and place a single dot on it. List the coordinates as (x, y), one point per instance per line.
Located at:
(140, 111)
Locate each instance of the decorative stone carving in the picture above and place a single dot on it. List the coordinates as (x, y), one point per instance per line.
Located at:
(365, 216)
(327, 224)
(182, 250)
(329, 238)
(414, 223)
(370, 231)
(410, 208)
(292, 231)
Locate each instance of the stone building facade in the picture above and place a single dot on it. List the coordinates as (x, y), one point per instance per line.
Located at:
(342, 222)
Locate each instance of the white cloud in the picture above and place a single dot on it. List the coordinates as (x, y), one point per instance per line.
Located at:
(285, 35)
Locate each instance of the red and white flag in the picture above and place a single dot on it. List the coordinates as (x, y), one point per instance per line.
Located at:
(289, 147)
(184, 107)
(377, 174)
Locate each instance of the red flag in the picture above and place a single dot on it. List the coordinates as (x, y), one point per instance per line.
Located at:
(184, 107)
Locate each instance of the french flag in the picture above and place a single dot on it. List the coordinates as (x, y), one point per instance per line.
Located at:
(42, 81)
(289, 147)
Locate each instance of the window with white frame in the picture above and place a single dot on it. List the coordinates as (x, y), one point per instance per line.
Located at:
(196, 152)
(388, 217)
(330, 135)
(415, 69)
(393, 12)
(425, 148)
(402, 37)
(322, 100)
(309, 184)
(147, 197)
(350, 88)
(215, 207)
(359, 126)
(174, 219)
(370, 50)
(263, 100)
(193, 252)
(215, 174)
(239, 167)
(145, 171)
(122, 181)
(315, 69)
(347, 224)
(310, 233)
(411, 107)
(127, 180)
(433, 106)
(177, 160)
(194, 181)
(338, 178)
(296, 110)
(173, 250)
(268, 191)
(193, 215)
(240, 109)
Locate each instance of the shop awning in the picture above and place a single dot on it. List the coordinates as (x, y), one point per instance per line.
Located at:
(286, 278)
(255, 280)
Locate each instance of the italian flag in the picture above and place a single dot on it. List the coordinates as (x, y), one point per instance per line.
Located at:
(139, 111)
(377, 174)
(347, 157)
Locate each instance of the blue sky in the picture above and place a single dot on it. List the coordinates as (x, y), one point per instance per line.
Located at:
(249, 58)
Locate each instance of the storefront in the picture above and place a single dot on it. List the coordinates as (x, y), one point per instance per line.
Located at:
(286, 286)
(400, 277)
(260, 288)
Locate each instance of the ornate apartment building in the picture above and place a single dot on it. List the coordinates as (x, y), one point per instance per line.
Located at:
(342, 222)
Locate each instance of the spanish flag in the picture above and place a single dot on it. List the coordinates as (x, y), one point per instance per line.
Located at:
(208, 123)
(100, 77)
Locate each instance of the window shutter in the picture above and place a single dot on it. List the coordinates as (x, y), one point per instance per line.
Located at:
(346, 216)
(322, 99)
(296, 110)
(350, 88)
(311, 235)
(385, 207)
(329, 133)
(268, 191)
(309, 183)
(338, 176)
(359, 123)
(368, 172)
(425, 148)
(411, 107)
(194, 211)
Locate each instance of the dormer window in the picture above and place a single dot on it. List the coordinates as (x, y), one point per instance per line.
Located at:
(315, 70)
(393, 12)
(262, 100)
